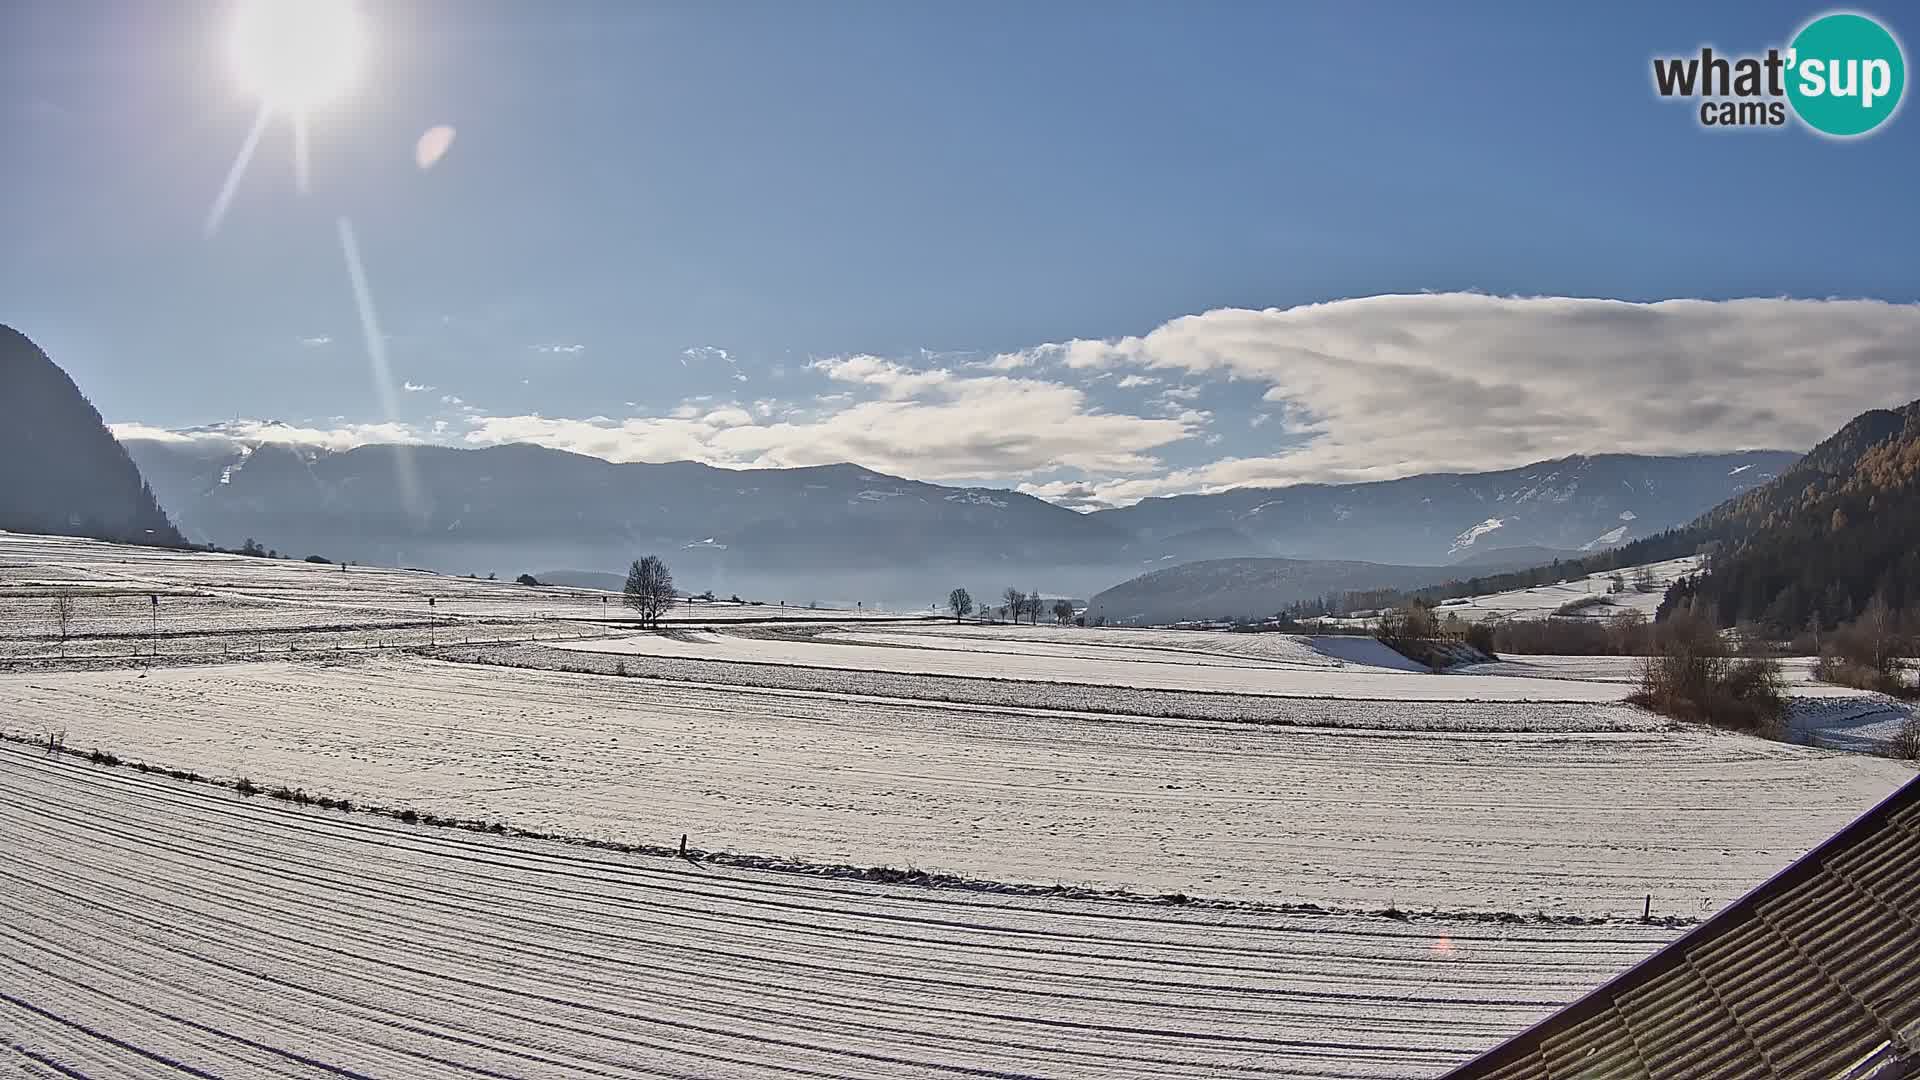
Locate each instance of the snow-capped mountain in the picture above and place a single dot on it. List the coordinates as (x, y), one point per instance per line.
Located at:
(1583, 503)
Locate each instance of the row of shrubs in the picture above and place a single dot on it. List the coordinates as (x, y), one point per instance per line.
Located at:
(1692, 675)
(1420, 635)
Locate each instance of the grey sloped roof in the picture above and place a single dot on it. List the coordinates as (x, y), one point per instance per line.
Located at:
(1815, 974)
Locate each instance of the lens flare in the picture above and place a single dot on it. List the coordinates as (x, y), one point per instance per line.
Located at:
(432, 146)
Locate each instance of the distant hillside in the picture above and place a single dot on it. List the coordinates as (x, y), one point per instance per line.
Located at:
(1781, 555)
(1582, 503)
(832, 532)
(846, 533)
(1246, 588)
(64, 473)
(1529, 555)
(1819, 543)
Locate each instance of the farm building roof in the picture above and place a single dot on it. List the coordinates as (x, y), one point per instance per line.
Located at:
(1815, 973)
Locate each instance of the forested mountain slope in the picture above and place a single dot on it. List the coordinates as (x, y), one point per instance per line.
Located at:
(61, 471)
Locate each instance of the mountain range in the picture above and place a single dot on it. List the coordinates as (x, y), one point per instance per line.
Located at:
(848, 532)
(1571, 504)
(830, 533)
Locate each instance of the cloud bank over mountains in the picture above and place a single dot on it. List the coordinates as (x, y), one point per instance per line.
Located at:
(1359, 389)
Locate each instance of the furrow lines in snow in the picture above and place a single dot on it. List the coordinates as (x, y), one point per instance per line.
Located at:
(1349, 819)
(148, 925)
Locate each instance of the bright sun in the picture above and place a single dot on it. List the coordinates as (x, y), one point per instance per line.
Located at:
(296, 54)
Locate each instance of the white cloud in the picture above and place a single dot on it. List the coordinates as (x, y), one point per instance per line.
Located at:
(316, 342)
(1386, 386)
(450, 399)
(1362, 389)
(892, 379)
(1076, 354)
(133, 429)
(705, 354)
(931, 425)
(414, 387)
(560, 347)
(253, 432)
(1072, 494)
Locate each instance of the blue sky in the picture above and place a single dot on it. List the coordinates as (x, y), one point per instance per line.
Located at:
(785, 233)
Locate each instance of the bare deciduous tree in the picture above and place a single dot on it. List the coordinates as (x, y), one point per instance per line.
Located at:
(63, 618)
(1016, 603)
(960, 602)
(1063, 611)
(1644, 580)
(649, 589)
(1034, 604)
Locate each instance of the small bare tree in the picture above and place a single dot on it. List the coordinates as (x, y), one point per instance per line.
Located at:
(1016, 603)
(1063, 611)
(649, 589)
(63, 618)
(960, 602)
(1034, 605)
(1879, 628)
(1865, 653)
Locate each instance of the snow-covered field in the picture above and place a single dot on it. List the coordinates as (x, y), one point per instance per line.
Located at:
(1851, 720)
(1184, 646)
(1543, 600)
(150, 925)
(154, 927)
(1797, 670)
(1016, 656)
(1562, 821)
(130, 602)
(1448, 715)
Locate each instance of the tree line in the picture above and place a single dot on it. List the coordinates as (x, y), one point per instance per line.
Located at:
(1014, 606)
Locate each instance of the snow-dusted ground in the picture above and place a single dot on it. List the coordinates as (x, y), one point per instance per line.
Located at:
(1566, 821)
(1851, 720)
(1797, 670)
(1317, 674)
(149, 927)
(219, 605)
(146, 925)
(1508, 716)
(1543, 600)
(1143, 645)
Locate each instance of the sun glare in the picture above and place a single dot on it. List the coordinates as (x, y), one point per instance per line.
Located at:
(296, 54)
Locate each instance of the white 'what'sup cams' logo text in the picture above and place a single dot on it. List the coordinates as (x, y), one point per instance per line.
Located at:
(1842, 76)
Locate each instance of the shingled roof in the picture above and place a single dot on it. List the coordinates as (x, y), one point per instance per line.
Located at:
(1814, 974)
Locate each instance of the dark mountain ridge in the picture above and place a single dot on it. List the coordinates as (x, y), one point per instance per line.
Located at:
(1816, 546)
(61, 472)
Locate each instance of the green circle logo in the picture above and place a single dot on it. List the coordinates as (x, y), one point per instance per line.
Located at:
(1845, 74)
